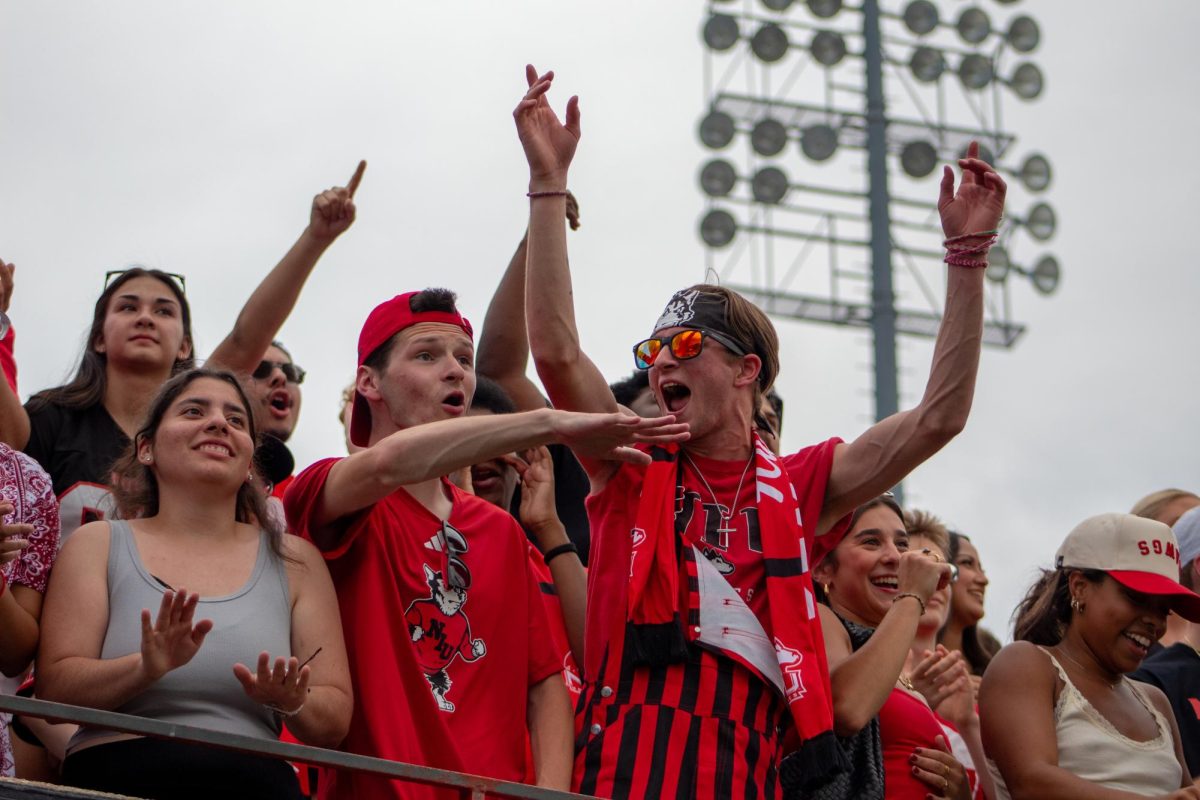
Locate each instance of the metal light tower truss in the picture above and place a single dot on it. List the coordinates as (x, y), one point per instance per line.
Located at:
(792, 85)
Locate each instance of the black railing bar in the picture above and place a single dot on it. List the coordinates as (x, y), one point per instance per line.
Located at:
(317, 756)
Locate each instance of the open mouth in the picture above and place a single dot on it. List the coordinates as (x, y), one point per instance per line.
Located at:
(889, 583)
(675, 396)
(280, 403)
(455, 402)
(484, 477)
(213, 447)
(1140, 643)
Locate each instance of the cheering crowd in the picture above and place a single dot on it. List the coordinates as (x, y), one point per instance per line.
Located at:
(622, 589)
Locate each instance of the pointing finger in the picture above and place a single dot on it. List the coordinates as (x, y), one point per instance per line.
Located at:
(946, 195)
(356, 179)
(531, 74)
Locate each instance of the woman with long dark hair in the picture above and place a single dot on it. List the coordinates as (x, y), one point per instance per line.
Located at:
(962, 632)
(141, 335)
(233, 593)
(876, 589)
(1060, 717)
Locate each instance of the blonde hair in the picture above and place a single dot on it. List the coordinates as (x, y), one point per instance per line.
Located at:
(923, 523)
(1152, 505)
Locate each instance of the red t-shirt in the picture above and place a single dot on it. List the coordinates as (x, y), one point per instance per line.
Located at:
(445, 631)
(905, 723)
(558, 625)
(736, 551)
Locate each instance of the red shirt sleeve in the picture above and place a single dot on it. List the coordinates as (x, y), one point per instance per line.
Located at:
(809, 472)
(545, 659)
(300, 504)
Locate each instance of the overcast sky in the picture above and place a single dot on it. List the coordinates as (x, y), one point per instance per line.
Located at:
(192, 136)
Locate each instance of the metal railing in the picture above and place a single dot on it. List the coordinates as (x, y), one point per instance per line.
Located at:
(472, 787)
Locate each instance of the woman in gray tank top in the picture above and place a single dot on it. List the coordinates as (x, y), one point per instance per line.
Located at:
(239, 605)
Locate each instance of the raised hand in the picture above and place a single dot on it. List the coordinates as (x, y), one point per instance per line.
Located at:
(920, 575)
(549, 144)
(13, 535)
(979, 202)
(333, 210)
(608, 436)
(6, 282)
(282, 688)
(172, 640)
(537, 489)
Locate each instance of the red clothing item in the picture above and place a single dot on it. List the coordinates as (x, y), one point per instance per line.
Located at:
(445, 631)
(905, 723)
(8, 363)
(659, 732)
(558, 625)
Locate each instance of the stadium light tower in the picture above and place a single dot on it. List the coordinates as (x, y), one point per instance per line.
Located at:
(789, 88)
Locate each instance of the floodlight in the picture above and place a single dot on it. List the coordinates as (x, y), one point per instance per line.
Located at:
(1035, 173)
(927, 64)
(1041, 222)
(769, 137)
(1027, 81)
(985, 154)
(998, 265)
(770, 43)
(975, 71)
(828, 47)
(777, 5)
(920, 17)
(717, 130)
(769, 185)
(818, 142)
(718, 228)
(1046, 274)
(721, 32)
(1023, 34)
(824, 8)
(717, 178)
(918, 159)
(973, 25)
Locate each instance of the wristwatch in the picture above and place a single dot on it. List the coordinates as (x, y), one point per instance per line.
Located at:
(5, 324)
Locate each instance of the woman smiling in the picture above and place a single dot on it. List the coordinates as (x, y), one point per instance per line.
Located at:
(1060, 719)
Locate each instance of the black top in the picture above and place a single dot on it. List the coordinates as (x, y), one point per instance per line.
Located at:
(1176, 670)
(74, 446)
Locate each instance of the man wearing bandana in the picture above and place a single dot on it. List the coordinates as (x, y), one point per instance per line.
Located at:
(704, 661)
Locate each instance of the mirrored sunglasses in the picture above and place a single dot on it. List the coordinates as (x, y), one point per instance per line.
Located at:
(683, 345)
(291, 372)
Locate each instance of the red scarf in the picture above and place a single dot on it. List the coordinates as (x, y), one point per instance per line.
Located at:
(656, 636)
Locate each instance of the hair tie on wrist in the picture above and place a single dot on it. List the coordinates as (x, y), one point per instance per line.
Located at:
(913, 596)
(279, 712)
(555, 552)
(552, 193)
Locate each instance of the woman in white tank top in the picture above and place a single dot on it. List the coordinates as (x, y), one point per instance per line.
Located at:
(1060, 719)
(223, 653)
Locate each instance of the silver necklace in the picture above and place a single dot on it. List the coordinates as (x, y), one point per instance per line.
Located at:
(1062, 648)
(726, 512)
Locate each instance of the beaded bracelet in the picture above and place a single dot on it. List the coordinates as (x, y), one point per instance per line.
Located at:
(289, 714)
(552, 193)
(914, 597)
(963, 261)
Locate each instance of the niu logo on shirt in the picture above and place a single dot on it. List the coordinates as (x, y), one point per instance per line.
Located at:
(790, 663)
(439, 629)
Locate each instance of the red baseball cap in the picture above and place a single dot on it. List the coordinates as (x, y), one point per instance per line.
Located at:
(388, 319)
(1138, 553)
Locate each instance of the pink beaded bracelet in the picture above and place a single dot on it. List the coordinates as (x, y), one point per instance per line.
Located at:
(955, 260)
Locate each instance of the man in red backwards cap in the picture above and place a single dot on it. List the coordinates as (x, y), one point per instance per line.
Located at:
(449, 649)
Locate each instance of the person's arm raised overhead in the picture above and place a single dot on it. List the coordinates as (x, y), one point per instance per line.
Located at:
(14, 422)
(503, 352)
(892, 448)
(333, 212)
(438, 448)
(571, 379)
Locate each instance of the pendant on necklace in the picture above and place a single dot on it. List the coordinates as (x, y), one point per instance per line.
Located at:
(725, 528)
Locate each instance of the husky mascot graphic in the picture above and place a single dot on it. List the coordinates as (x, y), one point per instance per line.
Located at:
(440, 630)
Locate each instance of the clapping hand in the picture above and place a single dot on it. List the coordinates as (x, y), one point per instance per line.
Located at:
(940, 675)
(979, 203)
(14, 536)
(333, 210)
(172, 640)
(282, 688)
(538, 511)
(549, 144)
